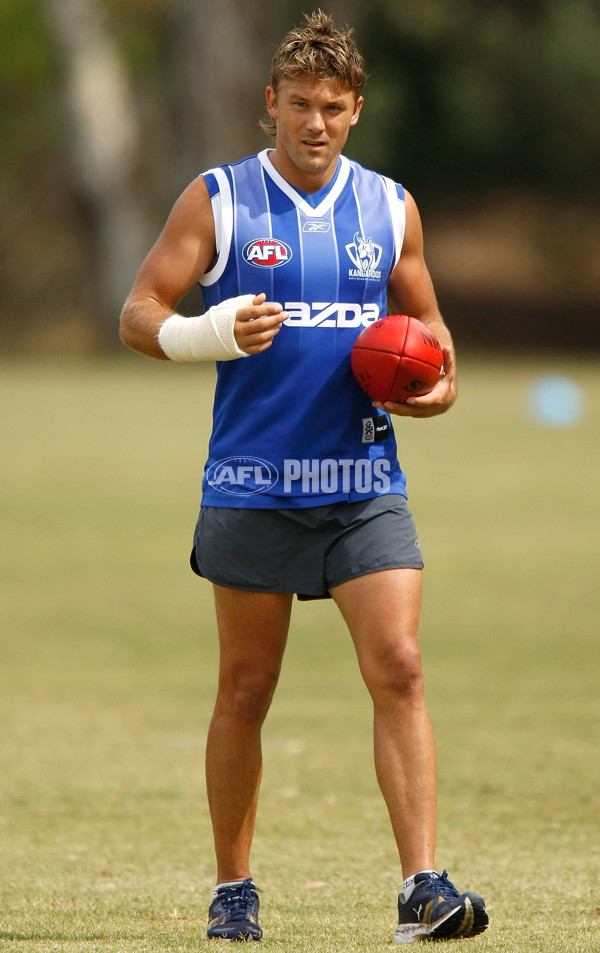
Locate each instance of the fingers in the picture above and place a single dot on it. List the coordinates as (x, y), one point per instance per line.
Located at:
(448, 361)
(436, 402)
(401, 410)
(413, 409)
(256, 326)
(259, 333)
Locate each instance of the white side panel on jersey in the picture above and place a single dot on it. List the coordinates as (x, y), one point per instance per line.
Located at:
(222, 205)
(398, 212)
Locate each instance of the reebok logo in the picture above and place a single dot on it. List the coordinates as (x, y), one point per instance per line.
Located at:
(316, 227)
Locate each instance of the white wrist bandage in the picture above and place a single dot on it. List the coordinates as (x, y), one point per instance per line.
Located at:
(207, 337)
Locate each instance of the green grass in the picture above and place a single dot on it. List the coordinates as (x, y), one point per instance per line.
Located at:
(109, 660)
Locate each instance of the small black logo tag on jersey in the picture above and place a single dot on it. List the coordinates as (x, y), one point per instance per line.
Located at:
(375, 429)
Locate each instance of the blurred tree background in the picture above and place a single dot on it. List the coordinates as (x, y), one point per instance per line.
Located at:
(487, 110)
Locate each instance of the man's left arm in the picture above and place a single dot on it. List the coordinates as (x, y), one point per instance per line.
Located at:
(411, 291)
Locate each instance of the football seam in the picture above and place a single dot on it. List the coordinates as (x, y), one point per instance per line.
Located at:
(385, 350)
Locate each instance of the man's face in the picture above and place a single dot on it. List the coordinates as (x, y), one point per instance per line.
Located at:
(313, 121)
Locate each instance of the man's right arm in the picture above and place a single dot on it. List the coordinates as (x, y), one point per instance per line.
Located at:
(184, 251)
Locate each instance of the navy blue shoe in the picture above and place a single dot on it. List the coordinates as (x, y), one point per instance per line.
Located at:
(233, 914)
(436, 910)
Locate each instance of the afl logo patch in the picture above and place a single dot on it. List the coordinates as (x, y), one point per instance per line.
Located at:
(242, 476)
(266, 253)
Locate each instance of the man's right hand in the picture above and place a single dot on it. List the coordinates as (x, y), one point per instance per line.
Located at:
(255, 327)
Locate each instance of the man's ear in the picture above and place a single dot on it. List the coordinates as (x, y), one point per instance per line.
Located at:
(356, 114)
(271, 97)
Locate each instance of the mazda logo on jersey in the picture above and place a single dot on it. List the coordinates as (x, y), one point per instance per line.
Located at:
(266, 253)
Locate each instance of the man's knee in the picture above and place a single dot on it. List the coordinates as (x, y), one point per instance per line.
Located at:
(246, 695)
(396, 674)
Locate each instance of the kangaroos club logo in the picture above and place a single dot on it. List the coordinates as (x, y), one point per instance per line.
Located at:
(365, 255)
(266, 253)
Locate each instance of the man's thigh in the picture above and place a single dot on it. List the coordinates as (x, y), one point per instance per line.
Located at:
(382, 611)
(253, 628)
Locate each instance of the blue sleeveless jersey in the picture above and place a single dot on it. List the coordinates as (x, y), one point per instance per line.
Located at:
(291, 427)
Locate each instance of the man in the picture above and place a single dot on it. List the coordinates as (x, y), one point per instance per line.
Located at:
(296, 250)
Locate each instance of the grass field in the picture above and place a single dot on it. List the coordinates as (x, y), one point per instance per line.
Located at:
(108, 669)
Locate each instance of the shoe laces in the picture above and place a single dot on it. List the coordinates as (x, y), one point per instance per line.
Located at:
(238, 898)
(444, 886)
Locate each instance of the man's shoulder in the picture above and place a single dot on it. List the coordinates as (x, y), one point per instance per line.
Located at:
(217, 176)
(362, 170)
(226, 166)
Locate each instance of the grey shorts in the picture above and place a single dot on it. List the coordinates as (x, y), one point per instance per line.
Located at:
(304, 550)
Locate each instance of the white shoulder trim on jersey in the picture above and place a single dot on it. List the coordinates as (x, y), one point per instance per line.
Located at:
(295, 196)
(222, 205)
(398, 213)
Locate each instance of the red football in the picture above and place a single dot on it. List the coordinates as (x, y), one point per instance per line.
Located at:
(397, 357)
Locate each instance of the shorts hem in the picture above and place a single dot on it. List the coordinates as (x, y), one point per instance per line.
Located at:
(371, 569)
(304, 596)
(226, 584)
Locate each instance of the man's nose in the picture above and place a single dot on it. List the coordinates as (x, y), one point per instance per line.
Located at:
(316, 122)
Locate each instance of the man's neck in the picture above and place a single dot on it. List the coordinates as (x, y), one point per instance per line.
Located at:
(305, 181)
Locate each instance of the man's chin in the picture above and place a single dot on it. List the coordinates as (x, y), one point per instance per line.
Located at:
(314, 161)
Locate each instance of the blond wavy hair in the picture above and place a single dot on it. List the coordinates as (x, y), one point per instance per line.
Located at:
(318, 51)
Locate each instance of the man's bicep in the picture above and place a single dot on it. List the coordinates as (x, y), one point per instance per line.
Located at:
(410, 287)
(183, 251)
